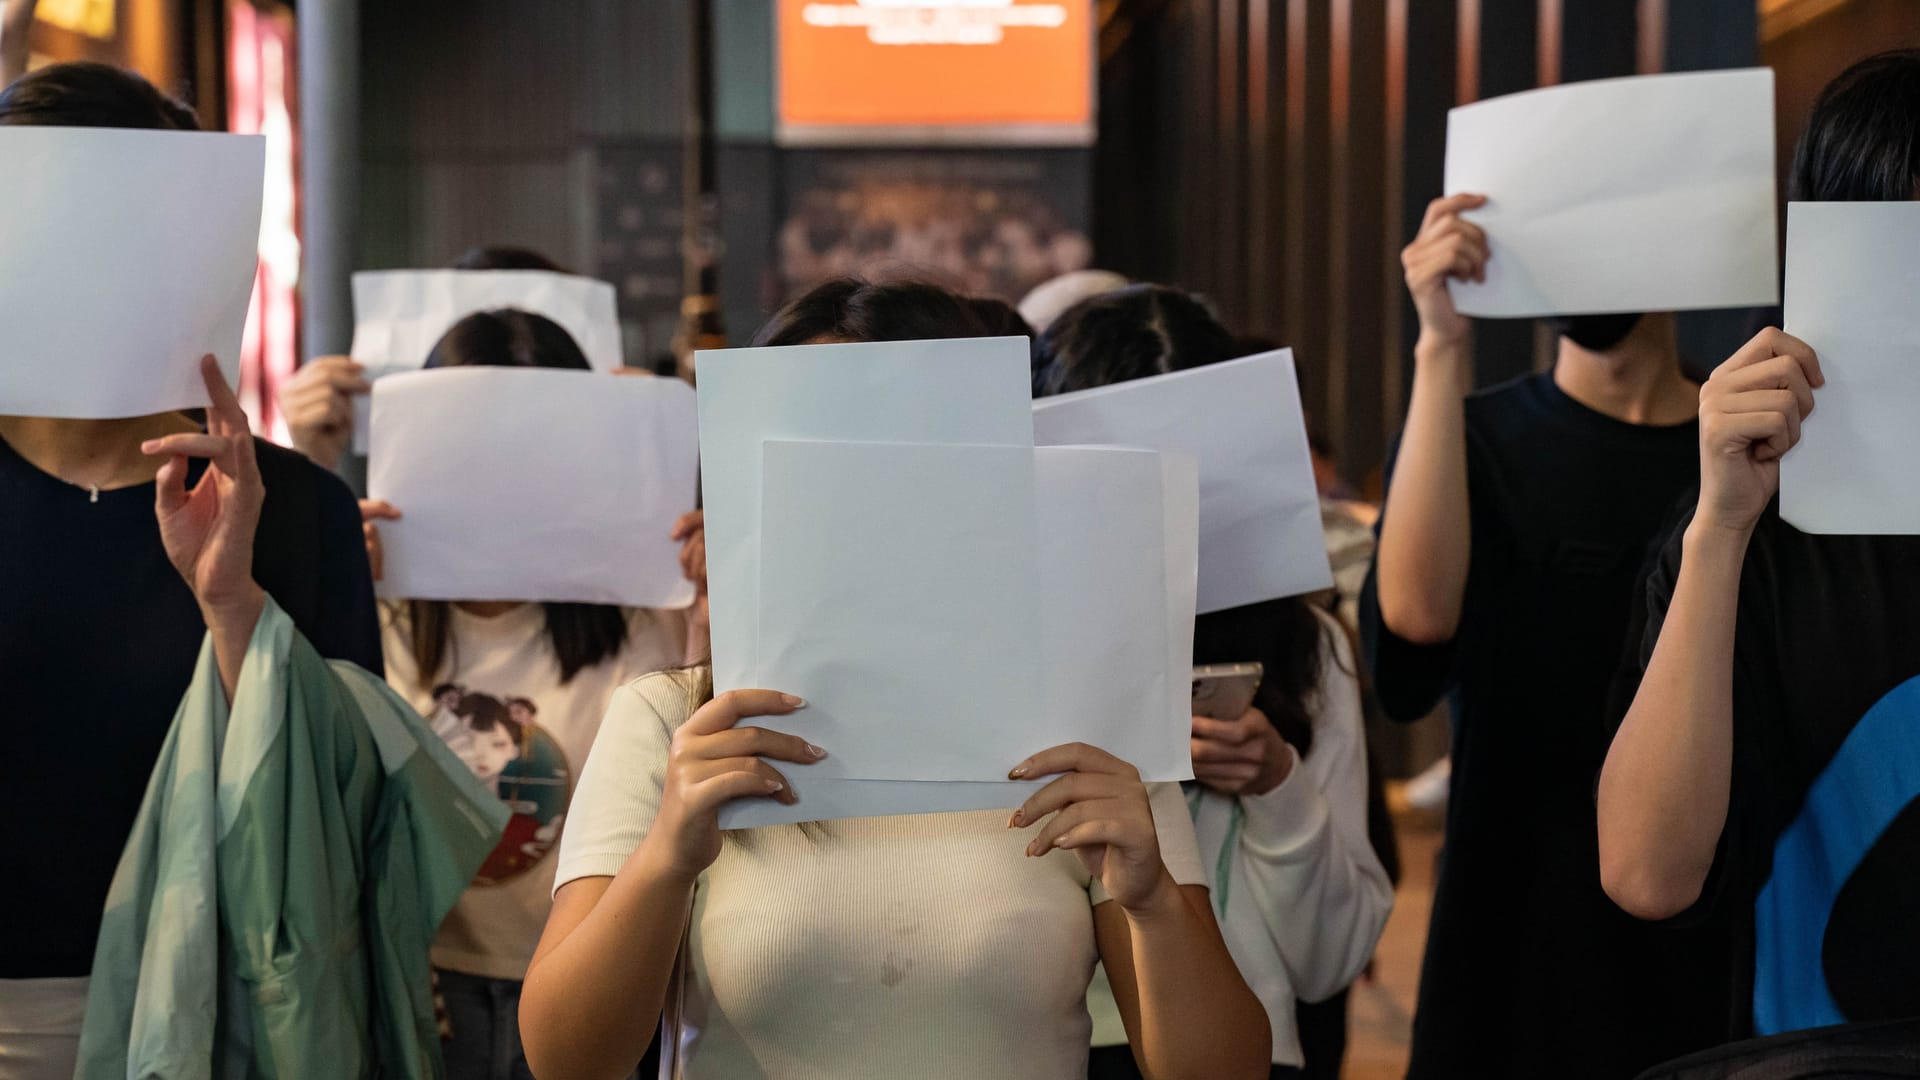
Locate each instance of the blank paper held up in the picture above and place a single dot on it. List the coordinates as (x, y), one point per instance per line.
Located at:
(1647, 193)
(130, 255)
(533, 484)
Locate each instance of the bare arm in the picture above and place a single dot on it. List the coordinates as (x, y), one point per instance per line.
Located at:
(15, 23)
(594, 992)
(1187, 1010)
(1664, 789)
(1425, 542)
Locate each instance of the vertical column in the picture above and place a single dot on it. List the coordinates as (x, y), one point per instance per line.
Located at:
(329, 41)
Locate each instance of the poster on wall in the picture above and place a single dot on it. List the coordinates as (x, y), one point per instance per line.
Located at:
(985, 223)
(973, 72)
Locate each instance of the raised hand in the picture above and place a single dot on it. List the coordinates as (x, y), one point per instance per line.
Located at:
(208, 531)
(712, 761)
(318, 405)
(1750, 415)
(1102, 814)
(1447, 246)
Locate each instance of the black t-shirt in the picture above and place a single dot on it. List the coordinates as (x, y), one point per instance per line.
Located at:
(1530, 969)
(1819, 866)
(99, 637)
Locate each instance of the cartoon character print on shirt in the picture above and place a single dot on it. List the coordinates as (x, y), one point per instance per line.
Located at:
(501, 740)
(1835, 937)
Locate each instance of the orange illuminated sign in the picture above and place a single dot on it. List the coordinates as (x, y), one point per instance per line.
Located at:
(853, 71)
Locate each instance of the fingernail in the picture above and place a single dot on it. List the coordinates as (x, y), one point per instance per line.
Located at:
(1014, 821)
(147, 447)
(1017, 771)
(816, 751)
(775, 785)
(794, 702)
(1030, 849)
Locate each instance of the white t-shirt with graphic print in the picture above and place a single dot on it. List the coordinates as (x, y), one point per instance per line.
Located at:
(502, 709)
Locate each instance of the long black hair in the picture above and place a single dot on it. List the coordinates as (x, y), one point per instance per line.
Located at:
(1862, 142)
(88, 94)
(582, 635)
(1145, 330)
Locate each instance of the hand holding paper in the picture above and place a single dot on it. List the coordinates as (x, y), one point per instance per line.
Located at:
(400, 315)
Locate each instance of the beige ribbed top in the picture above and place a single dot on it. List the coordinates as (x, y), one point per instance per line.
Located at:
(925, 945)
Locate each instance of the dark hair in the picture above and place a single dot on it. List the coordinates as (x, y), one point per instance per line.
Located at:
(1131, 333)
(1862, 142)
(525, 703)
(88, 94)
(504, 258)
(483, 712)
(507, 337)
(1147, 330)
(1000, 318)
(582, 635)
(848, 309)
(448, 688)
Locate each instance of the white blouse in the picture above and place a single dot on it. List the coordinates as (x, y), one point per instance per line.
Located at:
(898, 946)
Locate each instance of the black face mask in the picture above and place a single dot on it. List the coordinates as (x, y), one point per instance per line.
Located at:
(1595, 333)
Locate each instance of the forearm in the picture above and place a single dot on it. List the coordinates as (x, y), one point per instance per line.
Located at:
(591, 1004)
(230, 626)
(1664, 789)
(1425, 542)
(1197, 1017)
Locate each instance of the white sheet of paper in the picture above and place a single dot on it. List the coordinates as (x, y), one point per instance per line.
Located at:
(898, 589)
(1260, 531)
(1851, 269)
(962, 391)
(129, 256)
(1180, 488)
(822, 798)
(533, 484)
(1107, 616)
(399, 315)
(1646, 193)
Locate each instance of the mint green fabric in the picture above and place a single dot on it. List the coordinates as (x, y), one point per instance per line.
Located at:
(272, 911)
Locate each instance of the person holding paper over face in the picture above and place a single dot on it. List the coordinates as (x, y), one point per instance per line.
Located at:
(302, 833)
(953, 944)
(1279, 801)
(318, 401)
(1516, 523)
(1767, 770)
(98, 634)
(528, 685)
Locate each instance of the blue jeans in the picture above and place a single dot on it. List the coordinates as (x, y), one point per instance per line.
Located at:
(485, 1017)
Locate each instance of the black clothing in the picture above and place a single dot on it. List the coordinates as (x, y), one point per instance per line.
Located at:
(1530, 969)
(1816, 868)
(99, 637)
